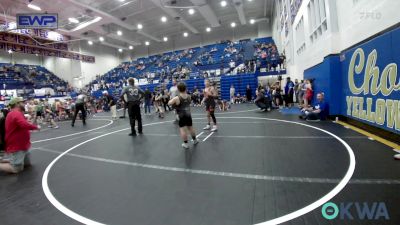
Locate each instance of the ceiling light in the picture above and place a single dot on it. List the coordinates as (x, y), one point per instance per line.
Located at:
(165, 39)
(249, 0)
(101, 39)
(120, 50)
(147, 43)
(130, 47)
(233, 24)
(85, 24)
(252, 21)
(37, 54)
(119, 33)
(163, 19)
(34, 7)
(208, 29)
(223, 3)
(191, 11)
(73, 20)
(185, 34)
(121, 0)
(90, 42)
(10, 51)
(139, 26)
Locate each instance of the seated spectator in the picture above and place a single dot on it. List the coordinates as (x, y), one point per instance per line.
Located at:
(263, 100)
(223, 105)
(239, 99)
(318, 112)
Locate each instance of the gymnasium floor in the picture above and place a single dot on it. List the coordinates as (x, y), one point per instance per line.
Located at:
(257, 167)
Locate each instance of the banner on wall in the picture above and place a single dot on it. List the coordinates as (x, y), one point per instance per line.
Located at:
(372, 87)
(39, 33)
(21, 40)
(55, 50)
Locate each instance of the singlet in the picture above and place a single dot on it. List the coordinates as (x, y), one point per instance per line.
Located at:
(183, 109)
(210, 99)
(39, 108)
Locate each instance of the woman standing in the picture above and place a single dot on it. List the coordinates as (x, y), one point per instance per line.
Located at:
(309, 93)
(277, 95)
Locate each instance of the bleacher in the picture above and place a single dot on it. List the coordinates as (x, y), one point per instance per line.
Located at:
(191, 65)
(19, 76)
(240, 83)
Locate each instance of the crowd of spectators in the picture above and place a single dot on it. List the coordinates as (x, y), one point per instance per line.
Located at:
(30, 76)
(269, 51)
(273, 96)
(228, 56)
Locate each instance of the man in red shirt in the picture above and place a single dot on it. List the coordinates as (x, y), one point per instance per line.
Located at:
(17, 138)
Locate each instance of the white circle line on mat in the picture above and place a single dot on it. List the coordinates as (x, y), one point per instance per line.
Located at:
(69, 135)
(290, 216)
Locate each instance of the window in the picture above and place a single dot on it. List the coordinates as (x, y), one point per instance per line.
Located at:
(300, 37)
(317, 18)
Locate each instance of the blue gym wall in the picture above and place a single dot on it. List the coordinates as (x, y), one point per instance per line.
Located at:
(332, 78)
(327, 77)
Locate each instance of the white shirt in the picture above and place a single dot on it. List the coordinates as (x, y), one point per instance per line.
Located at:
(232, 91)
(173, 91)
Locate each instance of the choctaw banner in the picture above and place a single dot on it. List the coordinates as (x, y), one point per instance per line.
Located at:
(363, 82)
(372, 85)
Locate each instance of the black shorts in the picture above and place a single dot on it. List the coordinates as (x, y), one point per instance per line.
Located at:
(185, 121)
(38, 114)
(289, 98)
(210, 105)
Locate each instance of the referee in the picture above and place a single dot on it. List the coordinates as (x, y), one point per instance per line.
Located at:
(80, 106)
(134, 95)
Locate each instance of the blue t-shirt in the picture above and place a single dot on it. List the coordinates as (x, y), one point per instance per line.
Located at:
(324, 107)
(289, 85)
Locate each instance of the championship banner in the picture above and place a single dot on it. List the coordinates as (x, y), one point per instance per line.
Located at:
(18, 41)
(37, 33)
(372, 85)
(86, 58)
(25, 40)
(8, 37)
(61, 46)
